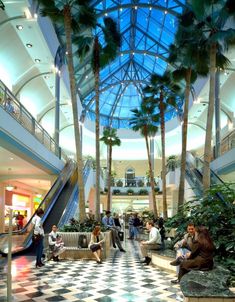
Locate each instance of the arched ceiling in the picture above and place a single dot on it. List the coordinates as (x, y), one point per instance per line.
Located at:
(147, 29)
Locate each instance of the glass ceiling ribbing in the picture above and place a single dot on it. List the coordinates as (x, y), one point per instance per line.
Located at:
(147, 29)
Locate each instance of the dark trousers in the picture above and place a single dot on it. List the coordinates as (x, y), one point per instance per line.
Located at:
(115, 237)
(39, 251)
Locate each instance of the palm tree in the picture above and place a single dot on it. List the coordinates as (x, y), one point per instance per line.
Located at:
(73, 15)
(2, 6)
(144, 120)
(110, 139)
(101, 57)
(191, 59)
(172, 163)
(162, 93)
(210, 17)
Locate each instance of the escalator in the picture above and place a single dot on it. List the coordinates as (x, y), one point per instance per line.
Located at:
(194, 175)
(59, 206)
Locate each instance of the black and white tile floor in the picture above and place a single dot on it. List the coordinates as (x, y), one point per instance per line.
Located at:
(120, 278)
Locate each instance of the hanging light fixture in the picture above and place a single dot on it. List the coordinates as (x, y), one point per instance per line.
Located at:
(9, 187)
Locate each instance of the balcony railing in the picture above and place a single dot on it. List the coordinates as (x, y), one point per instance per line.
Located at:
(13, 107)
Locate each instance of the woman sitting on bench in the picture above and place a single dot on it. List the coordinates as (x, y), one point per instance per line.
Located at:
(95, 245)
(56, 243)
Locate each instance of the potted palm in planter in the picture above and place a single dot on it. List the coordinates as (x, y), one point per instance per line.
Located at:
(130, 192)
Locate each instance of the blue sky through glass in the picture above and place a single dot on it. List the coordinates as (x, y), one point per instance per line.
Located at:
(147, 29)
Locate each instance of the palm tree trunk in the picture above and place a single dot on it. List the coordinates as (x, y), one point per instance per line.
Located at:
(164, 202)
(209, 124)
(97, 126)
(67, 25)
(151, 178)
(184, 139)
(109, 178)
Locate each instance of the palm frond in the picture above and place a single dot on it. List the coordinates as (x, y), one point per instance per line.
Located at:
(222, 61)
(2, 6)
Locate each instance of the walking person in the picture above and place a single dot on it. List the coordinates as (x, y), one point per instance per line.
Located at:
(38, 235)
(96, 242)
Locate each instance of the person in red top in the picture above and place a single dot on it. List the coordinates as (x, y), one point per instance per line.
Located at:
(19, 221)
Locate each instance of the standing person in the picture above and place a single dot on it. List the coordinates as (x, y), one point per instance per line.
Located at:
(130, 226)
(38, 234)
(108, 221)
(95, 245)
(117, 221)
(56, 243)
(136, 224)
(19, 221)
(154, 242)
(201, 256)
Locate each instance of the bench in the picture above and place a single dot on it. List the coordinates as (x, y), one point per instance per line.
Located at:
(73, 251)
(162, 259)
(207, 286)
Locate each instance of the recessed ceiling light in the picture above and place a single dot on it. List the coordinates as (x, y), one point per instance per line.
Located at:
(11, 158)
(37, 60)
(19, 27)
(29, 45)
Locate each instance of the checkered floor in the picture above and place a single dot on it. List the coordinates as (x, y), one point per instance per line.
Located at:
(120, 278)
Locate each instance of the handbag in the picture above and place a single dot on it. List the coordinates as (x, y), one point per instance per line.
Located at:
(82, 241)
(36, 238)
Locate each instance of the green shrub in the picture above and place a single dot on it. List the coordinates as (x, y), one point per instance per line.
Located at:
(218, 216)
(143, 192)
(116, 191)
(130, 191)
(87, 226)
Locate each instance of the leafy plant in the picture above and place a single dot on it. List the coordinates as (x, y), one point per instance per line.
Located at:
(216, 211)
(119, 183)
(86, 226)
(143, 192)
(116, 191)
(140, 183)
(130, 191)
(172, 163)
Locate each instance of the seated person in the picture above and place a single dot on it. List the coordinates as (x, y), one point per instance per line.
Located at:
(162, 231)
(184, 246)
(95, 245)
(201, 256)
(56, 243)
(154, 242)
(108, 221)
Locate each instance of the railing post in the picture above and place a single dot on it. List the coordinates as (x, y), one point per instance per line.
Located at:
(9, 258)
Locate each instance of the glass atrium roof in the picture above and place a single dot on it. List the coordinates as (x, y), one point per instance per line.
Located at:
(147, 28)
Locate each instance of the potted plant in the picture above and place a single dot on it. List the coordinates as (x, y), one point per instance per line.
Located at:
(143, 192)
(119, 183)
(140, 183)
(130, 192)
(116, 191)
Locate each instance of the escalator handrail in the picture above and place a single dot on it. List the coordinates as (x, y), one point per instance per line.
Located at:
(195, 165)
(86, 170)
(57, 186)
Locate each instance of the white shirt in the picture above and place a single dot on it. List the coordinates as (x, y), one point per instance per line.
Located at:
(154, 236)
(37, 222)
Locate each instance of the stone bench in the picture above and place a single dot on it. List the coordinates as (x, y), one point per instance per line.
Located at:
(73, 251)
(207, 286)
(162, 259)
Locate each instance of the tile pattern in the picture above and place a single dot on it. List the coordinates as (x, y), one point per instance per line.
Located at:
(120, 278)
